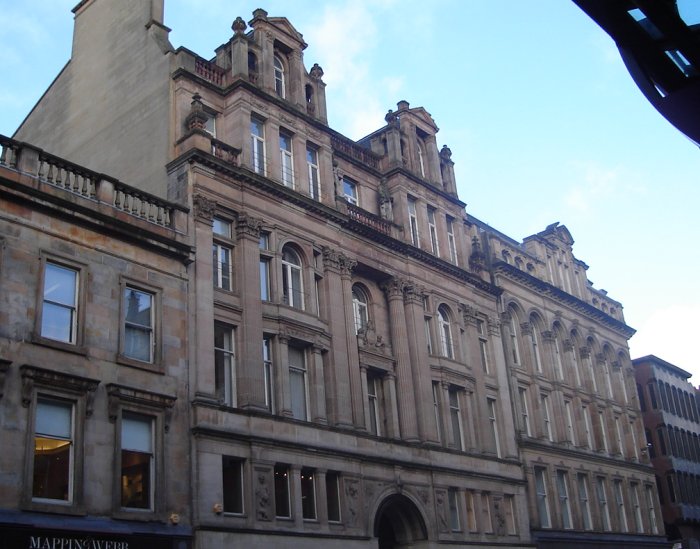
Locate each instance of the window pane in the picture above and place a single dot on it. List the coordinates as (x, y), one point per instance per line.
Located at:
(298, 391)
(221, 227)
(59, 284)
(136, 461)
(333, 496)
(136, 433)
(232, 476)
(308, 496)
(281, 491)
(52, 452)
(137, 343)
(59, 306)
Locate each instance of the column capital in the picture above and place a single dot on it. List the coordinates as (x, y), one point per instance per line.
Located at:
(394, 287)
(526, 328)
(248, 225)
(338, 262)
(203, 207)
(412, 293)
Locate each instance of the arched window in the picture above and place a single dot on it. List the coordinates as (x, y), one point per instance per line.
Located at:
(445, 332)
(279, 77)
(360, 308)
(515, 349)
(292, 282)
(421, 158)
(535, 343)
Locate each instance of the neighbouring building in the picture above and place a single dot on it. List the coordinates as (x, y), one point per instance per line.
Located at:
(352, 349)
(669, 405)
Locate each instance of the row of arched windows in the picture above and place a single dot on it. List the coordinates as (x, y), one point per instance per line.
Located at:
(569, 357)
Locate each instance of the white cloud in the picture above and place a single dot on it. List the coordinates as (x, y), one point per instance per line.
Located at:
(671, 334)
(594, 182)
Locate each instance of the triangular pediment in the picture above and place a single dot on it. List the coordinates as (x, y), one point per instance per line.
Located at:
(283, 24)
(424, 116)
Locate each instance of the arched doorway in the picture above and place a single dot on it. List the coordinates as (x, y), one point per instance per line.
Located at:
(398, 523)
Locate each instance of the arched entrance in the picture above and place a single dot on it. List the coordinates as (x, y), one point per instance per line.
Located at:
(398, 523)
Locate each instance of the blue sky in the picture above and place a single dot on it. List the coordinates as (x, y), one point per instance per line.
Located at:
(543, 120)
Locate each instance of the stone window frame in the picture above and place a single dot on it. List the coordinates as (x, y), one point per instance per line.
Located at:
(156, 364)
(230, 385)
(80, 392)
(158, 407)
(223, 241)
(82, 270)
(354, 197)
(240, 463)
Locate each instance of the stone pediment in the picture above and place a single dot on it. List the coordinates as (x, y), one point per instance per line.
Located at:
(424, 116)
(283, 24)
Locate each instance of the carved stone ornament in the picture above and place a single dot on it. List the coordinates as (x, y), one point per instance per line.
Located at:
(477, 259)
(197, 118)
(446, 153)
(316, 72)
(119, 394)
(393, 287)
(39, 377)
(392, 119)
(412, 293)
(334, 260)
(239, 26)
(568, 345)
(585, 352)
(352, 492)
(469, 314)
(441, 509)
(386, 203)
(367, 336)
(526, 328)
(548, 335)
(248, 225)
(204, 208)
(263, 502)
(494, 325)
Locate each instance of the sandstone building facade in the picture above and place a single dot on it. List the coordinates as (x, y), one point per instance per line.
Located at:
(351, 346)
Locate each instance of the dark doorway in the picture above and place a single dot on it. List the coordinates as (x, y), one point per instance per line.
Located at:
(399, 523)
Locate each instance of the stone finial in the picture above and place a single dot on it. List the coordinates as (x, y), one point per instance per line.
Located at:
(239, 26)
(197, 118)
(260, 14)
(316, 72)
(402, 105)
(392, 119)
(445, 153)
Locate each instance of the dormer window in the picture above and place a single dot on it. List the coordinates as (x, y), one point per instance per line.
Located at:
(279, 77)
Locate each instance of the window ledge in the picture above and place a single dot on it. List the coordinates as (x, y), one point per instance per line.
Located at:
(60, 345)
(59, 508)
(134, 363)
(145, 515)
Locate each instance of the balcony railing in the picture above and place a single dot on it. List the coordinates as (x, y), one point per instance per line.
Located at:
(76, 180)
(366, 218)
(210, 71)
(355, 151)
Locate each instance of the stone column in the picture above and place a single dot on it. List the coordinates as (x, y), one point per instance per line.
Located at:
(202, 333)
(420, 372)
(447, 173)
(266, 77)
(239, 49)
(317, 386)
(321, 496)
(445, 413)
(433, 161)
(338, 392)
(391, 408)
(295, 87)
(399, 342)
(251, 376)
(295, 494)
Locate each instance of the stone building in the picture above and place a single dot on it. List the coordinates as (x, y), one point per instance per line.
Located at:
(349, 379)
(93, 359)
(669, 405)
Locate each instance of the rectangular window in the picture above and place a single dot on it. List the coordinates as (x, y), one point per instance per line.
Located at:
(286, 160)
(232, 477)
(224, 363)
(486, 520)
(546, 418)
(618, 436)
(264, 278)
(137, 473)
(509, 504)
(620, 503)
(651, 498)
(451, 242)
(524, 412)
(454, 509)
(603, 433)
(603, 503)
(308, 494)
(542, 501)
(59, 313)
(350, 192)
(471, 513)
(636, 508)
(563, 493)
(312, 163)
(436, 408)
(569, 418)
(491, 407)
(428, 336)
(222, 254)
(257, 145)
(413, 221)
(584, 502)
(298, 383)
(267, 373)
(374, 387)
(282, 507)
(588, 428)
(483, 344)
(333, 496)
(455, 418)
(53, 451)
(139, 311)
(432, 229)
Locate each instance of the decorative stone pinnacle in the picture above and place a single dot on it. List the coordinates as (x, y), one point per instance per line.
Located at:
(445, 153)
(197, 117)
(316, 72)
(239, 26)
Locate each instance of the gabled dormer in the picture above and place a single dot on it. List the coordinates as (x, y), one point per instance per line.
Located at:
(268, 52)
(408, 141)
